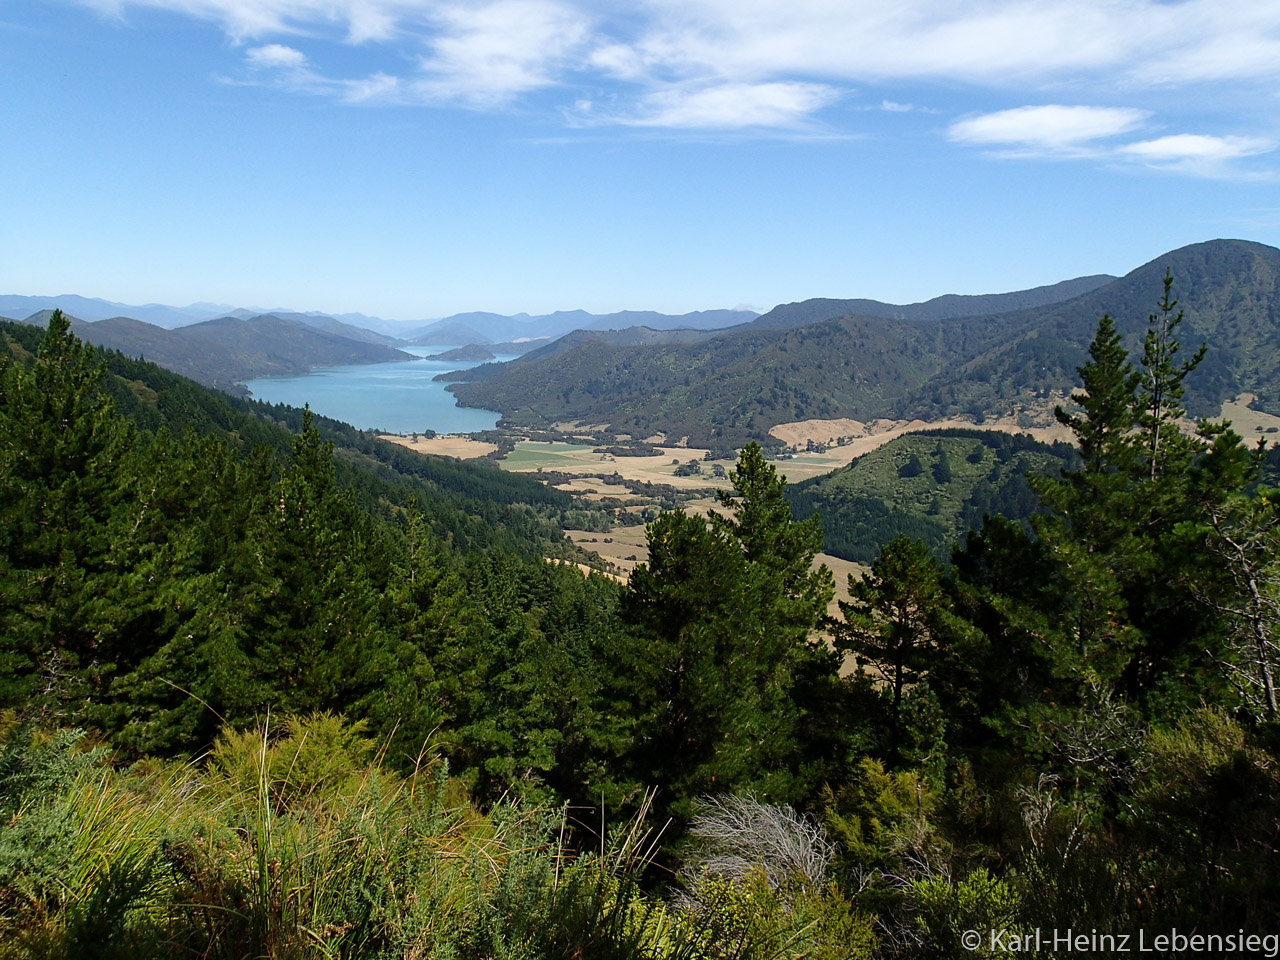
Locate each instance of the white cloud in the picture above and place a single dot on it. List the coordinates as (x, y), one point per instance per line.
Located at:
(1091, 132)
(1198, 154)
(1050, 128)
(485, 55)
(871, 40)
(681, 59)
(731, 106)
(990, 41)
(891, 106)
(276, 55)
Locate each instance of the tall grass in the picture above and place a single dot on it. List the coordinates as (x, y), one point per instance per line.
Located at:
(293, 841)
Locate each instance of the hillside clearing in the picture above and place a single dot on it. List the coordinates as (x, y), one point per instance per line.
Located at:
(448, 445)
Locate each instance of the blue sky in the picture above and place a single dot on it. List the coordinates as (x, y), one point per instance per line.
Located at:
(415, 158)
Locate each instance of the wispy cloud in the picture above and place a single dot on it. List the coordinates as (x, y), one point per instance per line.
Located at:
(1197, 154)
(758, 63)
(1092, 132)
(997, 42)
(245, 20)
(729, 106)
(1147, 40)
(486, 55)
(1051, 129)
(380, 87)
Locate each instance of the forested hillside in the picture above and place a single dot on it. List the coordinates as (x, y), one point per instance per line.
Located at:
(719, 392)
(733, 387)
(1229, 290)
(933, 486)
(251, 708)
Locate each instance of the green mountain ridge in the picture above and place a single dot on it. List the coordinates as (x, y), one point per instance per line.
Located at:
(1229, 290)
(718, 392)
(734, 386)
(946, 307)
(626, 337)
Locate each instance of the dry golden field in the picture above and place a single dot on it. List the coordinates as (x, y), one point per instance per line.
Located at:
(447, 445)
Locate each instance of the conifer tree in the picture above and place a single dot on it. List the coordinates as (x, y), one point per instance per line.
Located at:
(778, 549)
(1129, 615)
(62, 454)
(315, 630)
(1110, 384)
(1159, 402)
(192, 574)
(732, 681)
(900, 622)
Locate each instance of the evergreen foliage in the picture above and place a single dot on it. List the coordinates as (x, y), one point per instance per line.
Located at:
(724, 654)
(417, 732)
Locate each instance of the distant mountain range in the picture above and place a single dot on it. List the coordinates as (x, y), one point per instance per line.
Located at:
(483, 328)
(458, 330)
(93, 309)
(222, 346)
(929, 360)
(721, 377)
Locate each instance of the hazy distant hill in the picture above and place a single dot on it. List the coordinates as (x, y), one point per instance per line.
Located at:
(736, 384)
(472, 351)
(517, 347)
(464, 328)
(331, 325)
(698, 320)
(228, 350)
(91, 309)
(94, 309)
(447, 332)
(630, 337)
(934, 486)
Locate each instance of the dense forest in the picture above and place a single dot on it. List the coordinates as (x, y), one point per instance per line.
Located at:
(274, 692)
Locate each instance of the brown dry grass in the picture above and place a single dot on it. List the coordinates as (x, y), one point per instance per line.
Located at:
(531, 456)
(1249, 423)
(865, 437)
(447, 445)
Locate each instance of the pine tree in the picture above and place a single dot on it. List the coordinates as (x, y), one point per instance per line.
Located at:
(777, 548)
(192, 578)
(1159, 402)
(1129, 617)
(731, 681)
(900, 623)
(62, 497)
(1110, 384)
(314, 625)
